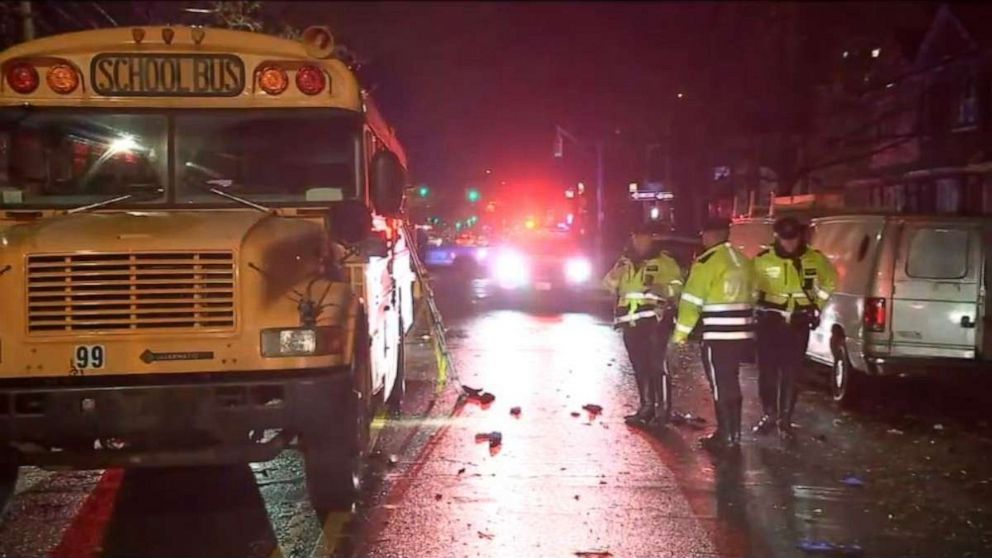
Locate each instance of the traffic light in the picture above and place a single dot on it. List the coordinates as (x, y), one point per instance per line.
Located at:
(423, 191)
(473, 195)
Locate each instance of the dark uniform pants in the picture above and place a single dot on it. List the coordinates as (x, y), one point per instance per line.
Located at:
(647, 344)
(722, 364)
(781, 349)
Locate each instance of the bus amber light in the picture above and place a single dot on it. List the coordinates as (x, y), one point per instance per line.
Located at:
(22, 77)
(310, 80)
(62, 79)
(273, 80)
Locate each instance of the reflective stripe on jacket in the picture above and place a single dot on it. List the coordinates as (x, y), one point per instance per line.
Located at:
(718, 292)
(645, 285)
(781, 288)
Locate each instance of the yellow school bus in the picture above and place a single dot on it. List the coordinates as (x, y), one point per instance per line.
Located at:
(202, 254)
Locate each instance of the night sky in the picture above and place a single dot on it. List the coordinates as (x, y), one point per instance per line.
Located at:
(477, 85)
(481, 85)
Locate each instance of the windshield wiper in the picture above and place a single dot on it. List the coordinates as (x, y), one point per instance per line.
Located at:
(209, 185)
(141, 196)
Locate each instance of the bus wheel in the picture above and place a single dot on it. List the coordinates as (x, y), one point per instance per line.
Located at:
(333, 456)
(846, 383)
(395, 402)
(8, 481)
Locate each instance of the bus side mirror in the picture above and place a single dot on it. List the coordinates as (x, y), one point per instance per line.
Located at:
(388, 183)
(349, 221)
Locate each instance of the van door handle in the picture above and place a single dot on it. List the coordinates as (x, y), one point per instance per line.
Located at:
(967, 322)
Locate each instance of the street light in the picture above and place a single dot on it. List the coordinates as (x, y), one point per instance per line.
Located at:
(473, 195)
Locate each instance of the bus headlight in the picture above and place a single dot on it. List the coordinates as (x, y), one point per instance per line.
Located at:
(300, 341)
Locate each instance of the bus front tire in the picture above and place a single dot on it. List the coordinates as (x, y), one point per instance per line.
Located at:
(334, 454)
(9, 473)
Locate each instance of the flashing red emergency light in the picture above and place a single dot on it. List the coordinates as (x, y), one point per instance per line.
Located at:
(310, 80)
(22, 77)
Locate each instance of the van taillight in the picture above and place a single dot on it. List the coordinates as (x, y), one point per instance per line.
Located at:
(875, 314)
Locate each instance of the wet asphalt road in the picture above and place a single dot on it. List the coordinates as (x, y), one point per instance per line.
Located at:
(564, 482)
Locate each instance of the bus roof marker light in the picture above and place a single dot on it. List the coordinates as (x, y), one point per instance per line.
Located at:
(62, 79)
(310, 80)
(22, 77)
(318, 41)
(167, 35)
(198, 34)
(273, 80)
(138, 34)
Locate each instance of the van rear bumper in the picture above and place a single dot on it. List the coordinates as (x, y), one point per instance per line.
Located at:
(162, 422)
(926, 366)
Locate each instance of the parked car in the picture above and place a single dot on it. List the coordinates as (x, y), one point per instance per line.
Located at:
(912, 297)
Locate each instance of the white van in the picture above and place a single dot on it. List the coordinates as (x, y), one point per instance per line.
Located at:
(912, 297)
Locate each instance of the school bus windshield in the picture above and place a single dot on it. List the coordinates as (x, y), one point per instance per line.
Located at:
(71, 158)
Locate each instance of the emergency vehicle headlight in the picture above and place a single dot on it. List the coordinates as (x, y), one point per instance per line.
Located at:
(511, 269)
(578, 270)
(289, 342)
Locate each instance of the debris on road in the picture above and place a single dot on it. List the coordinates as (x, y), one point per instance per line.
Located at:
(938, 427)
(438, 497)
(515, 411)
(852, 480)
(487, 536)
(461, 471)
(592, 408)
(479, 395)
(575, 413)
(895, 431)
(494, 438)
(393, 459)
(686, 418)
(593, 554)
(829, 548)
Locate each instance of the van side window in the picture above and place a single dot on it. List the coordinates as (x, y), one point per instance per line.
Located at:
(938, 254)
(863, 249)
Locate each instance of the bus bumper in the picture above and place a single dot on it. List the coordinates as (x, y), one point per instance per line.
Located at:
(91, 423)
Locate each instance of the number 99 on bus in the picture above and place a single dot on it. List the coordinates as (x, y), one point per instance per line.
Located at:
(90, 357)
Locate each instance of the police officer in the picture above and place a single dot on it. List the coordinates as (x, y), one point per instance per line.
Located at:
(717, 296)
(646, 281)
(792, 283)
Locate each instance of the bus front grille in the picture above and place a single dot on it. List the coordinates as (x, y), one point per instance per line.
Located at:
(140, 291)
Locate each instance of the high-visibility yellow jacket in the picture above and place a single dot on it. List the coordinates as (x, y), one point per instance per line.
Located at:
(719, 292)
(783, 286)
(642, 287)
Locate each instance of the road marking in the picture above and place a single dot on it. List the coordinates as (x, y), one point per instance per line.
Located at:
(85, 536)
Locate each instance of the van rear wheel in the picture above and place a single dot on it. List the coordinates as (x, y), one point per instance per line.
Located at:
(846, 383)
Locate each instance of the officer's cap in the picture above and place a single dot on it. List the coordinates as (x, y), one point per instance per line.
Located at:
(788, 228)
(716, 224)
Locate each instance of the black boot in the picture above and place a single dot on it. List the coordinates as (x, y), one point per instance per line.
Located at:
(719, 440)
(734, 411)
(765, 425)
(787, 403)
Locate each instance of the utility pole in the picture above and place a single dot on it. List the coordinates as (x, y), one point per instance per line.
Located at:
(27, 20)
(600, 211)
(559, 152)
